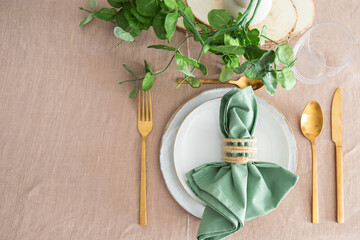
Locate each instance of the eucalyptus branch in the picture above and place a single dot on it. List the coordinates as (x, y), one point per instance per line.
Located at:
(231, 49)
(167, 66)
(199, 57)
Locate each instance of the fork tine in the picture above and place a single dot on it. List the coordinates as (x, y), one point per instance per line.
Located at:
(147, 107)
(143, 108)
(150, 106)
(139, 106)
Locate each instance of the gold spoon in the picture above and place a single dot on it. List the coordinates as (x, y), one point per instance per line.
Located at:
(242, 82)
(311, 126)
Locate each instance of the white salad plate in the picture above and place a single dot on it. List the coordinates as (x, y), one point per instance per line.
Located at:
(192, 137)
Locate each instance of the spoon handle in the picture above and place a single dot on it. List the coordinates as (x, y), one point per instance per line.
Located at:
(315, 209)
(213, 81)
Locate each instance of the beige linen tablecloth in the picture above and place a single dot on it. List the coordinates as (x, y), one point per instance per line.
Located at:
(70, 151)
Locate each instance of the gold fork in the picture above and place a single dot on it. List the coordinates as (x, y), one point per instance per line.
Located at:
(145, 124)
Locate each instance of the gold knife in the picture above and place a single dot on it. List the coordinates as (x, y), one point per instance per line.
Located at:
(336, 137)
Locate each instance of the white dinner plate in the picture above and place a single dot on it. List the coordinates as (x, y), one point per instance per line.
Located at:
(193, 138)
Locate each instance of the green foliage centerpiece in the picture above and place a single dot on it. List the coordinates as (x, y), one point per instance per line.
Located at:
(228, 37)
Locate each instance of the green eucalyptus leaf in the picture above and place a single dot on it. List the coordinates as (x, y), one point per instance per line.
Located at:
(93, 4)
(170, 25)
(190, 61)
(186, 72)
(171, 4)
(253, 37)
(128, 68)
(144, 20)
(106, 14)
(231, 61)
(134, 91)
(226, 74)
(194, 82)
(147, 67)
(148, 81)
(219, 18)
(203, 69)
(163, 8)
(276, 61)
(206, 48)
(285, 54)
(270, 82)
(253, 52)
(239, 16)
(163, 47)
(227, 49)
(286, 78)
(158, 25)
(266, 60)
(263, 33)
(189, 14)
(148, 8)
(229, 40)
(181, 5)
(132, 20)
(122, 34)
(87, 19)
(181, 62)
(244, 66)
(115, 3)
(120, 17)
(254, 71)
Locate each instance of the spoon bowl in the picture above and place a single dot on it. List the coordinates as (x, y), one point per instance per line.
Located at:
(312, 120)
(311, 126)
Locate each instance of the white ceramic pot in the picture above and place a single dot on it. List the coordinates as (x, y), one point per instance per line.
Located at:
(236, 6)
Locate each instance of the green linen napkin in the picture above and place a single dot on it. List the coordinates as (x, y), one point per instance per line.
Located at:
(234, 192)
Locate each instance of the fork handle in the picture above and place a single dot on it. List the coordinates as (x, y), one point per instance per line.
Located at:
(143, 214)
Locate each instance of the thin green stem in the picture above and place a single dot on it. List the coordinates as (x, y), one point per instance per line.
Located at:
(192, 25)
(167, 66)
(81, 8)
(269, 39)
(252, 17)
(246, 13)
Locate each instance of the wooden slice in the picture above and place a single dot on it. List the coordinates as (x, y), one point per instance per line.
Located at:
(281, 20)
(306, 13)
(201, 8)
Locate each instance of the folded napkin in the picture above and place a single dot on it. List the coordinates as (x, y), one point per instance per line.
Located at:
(236, 192)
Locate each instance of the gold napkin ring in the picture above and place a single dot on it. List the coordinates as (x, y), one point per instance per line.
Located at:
(239, 149)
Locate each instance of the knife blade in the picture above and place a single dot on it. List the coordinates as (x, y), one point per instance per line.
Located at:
(337, 139)
(336, 118)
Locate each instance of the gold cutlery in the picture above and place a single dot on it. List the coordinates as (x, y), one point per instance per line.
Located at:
(311, 126)
(336, 137)
(242, 82)
(145, 125)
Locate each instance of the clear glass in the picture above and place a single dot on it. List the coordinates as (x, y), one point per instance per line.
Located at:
(322, 52)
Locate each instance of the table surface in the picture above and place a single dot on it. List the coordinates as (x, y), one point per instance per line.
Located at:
(70, 150)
